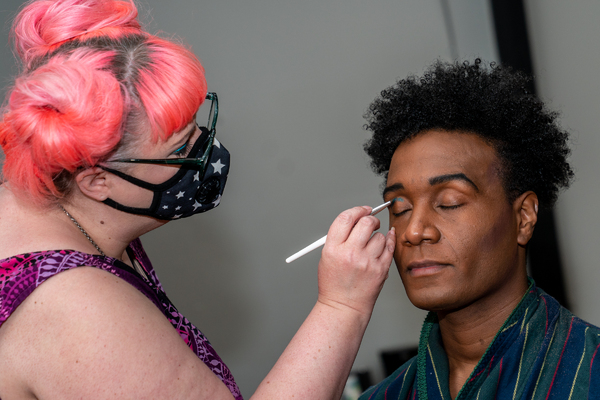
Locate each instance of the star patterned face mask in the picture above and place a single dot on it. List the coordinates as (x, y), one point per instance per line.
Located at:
(193, 189)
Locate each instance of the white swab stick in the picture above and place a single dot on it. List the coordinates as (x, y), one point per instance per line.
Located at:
(321, 241)
(307, 249)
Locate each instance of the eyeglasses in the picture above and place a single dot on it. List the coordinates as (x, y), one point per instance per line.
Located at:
(197, 163)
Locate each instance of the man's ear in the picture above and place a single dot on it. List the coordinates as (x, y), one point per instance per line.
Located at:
(93, 183)
(526, 210)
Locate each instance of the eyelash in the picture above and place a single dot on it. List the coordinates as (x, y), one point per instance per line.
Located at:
(182, 151)
(179, 150)
(453, 207)
(401, 213)
(450, 207)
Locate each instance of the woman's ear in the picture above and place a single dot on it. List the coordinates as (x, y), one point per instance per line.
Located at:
(526, 210)
(92, 182)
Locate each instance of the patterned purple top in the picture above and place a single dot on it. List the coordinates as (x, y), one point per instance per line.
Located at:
(21, 274)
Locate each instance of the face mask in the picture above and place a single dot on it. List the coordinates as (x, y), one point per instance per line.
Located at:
(188, 192)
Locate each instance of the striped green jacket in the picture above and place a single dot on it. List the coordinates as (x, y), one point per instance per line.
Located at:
(541, 352)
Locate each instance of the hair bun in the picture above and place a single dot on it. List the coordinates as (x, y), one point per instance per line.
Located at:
(64, 115)
(43, 25)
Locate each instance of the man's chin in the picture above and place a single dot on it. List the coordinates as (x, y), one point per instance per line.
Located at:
(433, 299)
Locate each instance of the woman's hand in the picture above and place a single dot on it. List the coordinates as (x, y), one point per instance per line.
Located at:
(355, 262)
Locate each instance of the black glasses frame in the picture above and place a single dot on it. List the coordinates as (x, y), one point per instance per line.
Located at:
(198, 163)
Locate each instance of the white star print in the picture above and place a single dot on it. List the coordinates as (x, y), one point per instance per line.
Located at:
(218, 166)
(197, 176)
(165, 207)
(177, 208)
(196, 205)
(217, 144)
(177, 216)
(180, 195)
(217, 201)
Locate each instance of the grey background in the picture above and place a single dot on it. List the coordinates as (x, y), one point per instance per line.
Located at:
(294, 79)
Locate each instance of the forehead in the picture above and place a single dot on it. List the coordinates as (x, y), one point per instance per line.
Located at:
(435, 153)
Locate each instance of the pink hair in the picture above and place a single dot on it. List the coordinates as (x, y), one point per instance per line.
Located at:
(172, 88)
(44, 25)
(60, 122)
(92, 80)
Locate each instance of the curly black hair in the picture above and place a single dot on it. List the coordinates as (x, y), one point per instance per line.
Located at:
(491, 102)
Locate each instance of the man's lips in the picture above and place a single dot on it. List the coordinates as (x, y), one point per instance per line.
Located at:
(425, 267)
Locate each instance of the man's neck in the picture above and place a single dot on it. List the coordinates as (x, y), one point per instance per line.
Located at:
(468, 332)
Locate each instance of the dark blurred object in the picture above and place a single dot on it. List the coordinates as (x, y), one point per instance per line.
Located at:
(544, 258)
(364, 378)
(357, 383)
(393, 359)
(511, 36)
(513, 46)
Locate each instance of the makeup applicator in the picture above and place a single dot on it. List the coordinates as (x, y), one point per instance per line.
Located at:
(321, 241)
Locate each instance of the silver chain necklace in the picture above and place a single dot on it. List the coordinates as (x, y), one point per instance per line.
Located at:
(82, 230)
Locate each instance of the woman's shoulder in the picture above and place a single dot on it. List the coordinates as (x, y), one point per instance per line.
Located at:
(52, 323)
(22, 275)
(87, 319)
(69, 299)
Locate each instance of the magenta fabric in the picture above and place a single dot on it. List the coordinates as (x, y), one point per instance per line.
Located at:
(21, 274)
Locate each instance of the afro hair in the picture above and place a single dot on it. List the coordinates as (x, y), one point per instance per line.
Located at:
(491, 102)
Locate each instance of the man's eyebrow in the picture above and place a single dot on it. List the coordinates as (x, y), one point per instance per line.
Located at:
(452, 177)
(393, 188)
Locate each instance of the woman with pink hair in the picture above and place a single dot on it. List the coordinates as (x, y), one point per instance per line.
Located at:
(101, 146)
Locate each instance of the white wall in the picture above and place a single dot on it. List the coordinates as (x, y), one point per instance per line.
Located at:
(294, 78)
(565, 38)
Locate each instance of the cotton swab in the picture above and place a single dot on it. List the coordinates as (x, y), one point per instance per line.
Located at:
(321, 241)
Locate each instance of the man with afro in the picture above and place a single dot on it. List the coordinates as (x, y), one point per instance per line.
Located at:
(469, 157)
